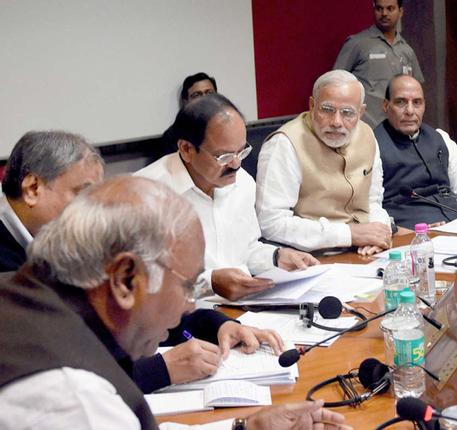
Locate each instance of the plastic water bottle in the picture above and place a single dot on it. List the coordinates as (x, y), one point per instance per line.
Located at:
(409, 348)
(395, 280)
(413, 277)
(422, 256)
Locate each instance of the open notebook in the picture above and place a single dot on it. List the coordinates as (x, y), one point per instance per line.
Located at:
(217, 394)
(261, 367)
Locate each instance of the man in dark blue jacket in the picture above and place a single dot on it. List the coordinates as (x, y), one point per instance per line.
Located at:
(417, 160)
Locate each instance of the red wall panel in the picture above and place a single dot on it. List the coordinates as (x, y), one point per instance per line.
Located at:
(295, 41)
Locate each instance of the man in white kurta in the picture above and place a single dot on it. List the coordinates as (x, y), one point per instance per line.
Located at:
(319, 177)
(207, 172)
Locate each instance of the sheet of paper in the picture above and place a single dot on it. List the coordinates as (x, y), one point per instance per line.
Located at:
(356, 270)
(278, 276)
(292, 329)
(445, 245)
(236, 393)
(175, 403)
(346, 288)
(333, 282)
(450, 227)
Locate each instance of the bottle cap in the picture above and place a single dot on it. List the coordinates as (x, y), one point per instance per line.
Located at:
(395, 255)
(407, 297)
(421, 228)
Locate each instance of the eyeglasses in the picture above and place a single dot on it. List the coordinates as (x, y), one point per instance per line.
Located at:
(228, 157)
(187, 285)
(346, 113)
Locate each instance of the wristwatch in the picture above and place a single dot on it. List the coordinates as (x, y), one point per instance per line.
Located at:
(240, 424)
(276, 257)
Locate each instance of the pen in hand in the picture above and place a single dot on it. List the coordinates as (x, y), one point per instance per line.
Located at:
(187, 334)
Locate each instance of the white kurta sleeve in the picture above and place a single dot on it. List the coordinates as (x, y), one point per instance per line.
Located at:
(66, 398)
(452, 166)
(376, 195)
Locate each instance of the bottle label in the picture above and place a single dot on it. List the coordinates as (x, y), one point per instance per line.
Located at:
(409, 352)
(391, 298)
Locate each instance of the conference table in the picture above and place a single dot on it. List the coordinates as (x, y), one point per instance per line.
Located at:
(322, 363)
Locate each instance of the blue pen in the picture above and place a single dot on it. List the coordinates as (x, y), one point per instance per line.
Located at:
(187, 334)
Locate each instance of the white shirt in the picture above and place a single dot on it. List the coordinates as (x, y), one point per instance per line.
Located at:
(278, 185)
(452, 166)
(13, 224)
(72, 399)
(229, 220)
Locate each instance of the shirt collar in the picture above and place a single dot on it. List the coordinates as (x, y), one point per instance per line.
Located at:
(13, 223)
(182, 181)
(376, 32)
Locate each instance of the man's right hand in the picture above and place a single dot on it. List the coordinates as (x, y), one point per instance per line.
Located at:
(371, 234)
(295, 416)
(234, 284)
(192, 360)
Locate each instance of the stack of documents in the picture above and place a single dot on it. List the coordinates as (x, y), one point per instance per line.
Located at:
(261, 367)
(292, 329)
(217, 394)
(312, 285)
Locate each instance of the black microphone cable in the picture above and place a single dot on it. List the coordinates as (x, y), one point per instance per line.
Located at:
(291, 356)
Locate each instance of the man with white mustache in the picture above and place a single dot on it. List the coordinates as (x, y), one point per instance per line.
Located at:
(319, 177)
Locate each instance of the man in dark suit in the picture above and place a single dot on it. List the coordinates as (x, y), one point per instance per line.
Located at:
(44, 172)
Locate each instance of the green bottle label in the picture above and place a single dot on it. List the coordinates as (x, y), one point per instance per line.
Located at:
(391, 299)
(409, 352)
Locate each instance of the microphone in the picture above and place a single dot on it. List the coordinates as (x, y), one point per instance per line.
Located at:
(409, 192)
(291, 356)
(330, 307)
(413, 409)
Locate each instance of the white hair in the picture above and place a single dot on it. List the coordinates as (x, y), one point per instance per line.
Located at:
(76, 247)
(337, 78)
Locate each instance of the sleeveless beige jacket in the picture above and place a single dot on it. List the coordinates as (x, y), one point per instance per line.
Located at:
(335, 182)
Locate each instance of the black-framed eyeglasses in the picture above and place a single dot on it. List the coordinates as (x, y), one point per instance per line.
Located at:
(346, 112)
(228, 157)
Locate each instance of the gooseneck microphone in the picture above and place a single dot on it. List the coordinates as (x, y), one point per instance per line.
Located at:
(291, 356)
(410, 408)
(411, 193)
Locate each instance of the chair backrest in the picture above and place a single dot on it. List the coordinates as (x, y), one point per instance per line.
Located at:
(256, 134)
